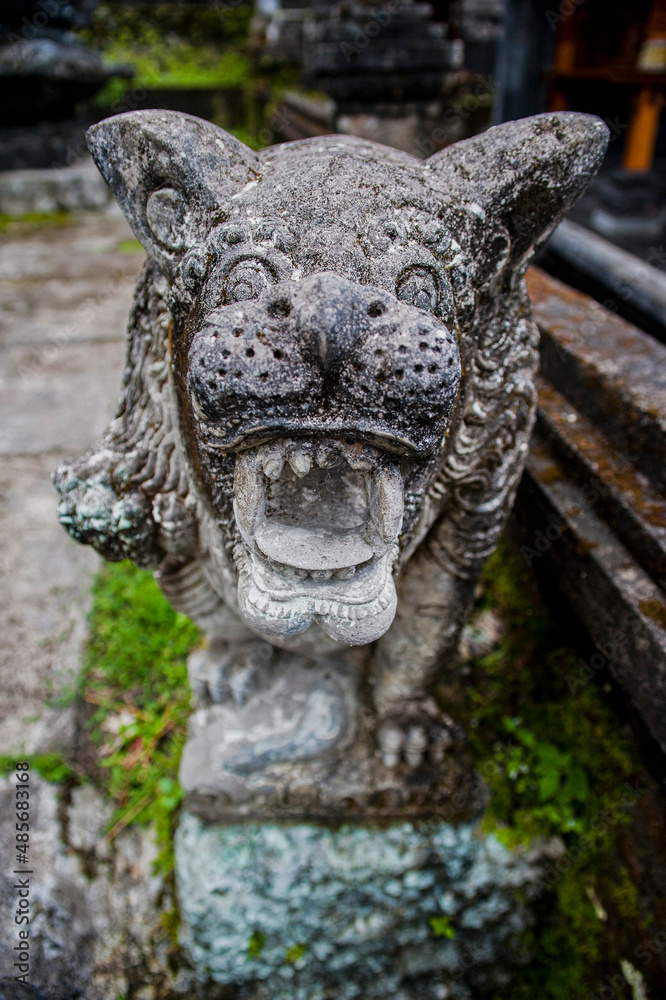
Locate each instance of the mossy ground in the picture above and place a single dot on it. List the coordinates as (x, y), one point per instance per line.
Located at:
(27, 222)
(558, 764)
(171, 46)
(135, 677)
(189, 48)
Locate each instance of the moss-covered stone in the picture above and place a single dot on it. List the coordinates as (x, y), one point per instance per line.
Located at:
(558, 762)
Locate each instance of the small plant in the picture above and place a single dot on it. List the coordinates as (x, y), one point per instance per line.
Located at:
(441, 927)
(49, 766)
(255, 945)
(295, 954)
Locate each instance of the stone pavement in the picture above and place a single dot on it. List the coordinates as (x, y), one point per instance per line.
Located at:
(65, 294)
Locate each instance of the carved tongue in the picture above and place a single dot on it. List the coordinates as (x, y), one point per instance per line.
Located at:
(308, 549)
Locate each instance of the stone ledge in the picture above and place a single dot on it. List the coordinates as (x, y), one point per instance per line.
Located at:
(67, 189)
(618, 603)
(591, 509)
(608, 369)
(632, 506)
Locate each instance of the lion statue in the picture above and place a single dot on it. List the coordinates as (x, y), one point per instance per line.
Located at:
(325, 412)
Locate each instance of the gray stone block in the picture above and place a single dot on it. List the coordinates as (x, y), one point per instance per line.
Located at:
(63, 189)
(305, 911)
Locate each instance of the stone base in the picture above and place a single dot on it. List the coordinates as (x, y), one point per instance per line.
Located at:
(305, 912)
(304, 747)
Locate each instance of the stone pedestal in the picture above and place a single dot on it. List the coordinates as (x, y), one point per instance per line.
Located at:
(310, 912)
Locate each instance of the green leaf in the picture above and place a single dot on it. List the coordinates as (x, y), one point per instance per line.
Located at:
(577, 786)
(441, 927)
(548, 785)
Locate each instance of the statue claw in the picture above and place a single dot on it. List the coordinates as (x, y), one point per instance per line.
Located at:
(413, 736)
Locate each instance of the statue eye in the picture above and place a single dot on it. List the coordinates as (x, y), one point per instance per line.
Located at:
(418, 287)
(247, 280)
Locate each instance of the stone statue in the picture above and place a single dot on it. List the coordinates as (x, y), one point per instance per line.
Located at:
(325, 412)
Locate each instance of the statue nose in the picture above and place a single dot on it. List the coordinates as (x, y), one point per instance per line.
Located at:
(332, 317)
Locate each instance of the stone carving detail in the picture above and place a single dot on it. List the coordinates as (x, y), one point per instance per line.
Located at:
(325, 413)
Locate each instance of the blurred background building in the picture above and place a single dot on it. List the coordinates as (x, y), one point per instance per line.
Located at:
(413, 75)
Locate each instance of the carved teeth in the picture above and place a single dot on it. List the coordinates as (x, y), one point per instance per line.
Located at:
(273, 468)
(294, 572)
(300, 459)
(345, 574)
(387, 502)
(326, 456)
(301, 455)
(416, 744)
(360, 458)
(271, 458)
(391, 740)
(248, 490)
(321, 574)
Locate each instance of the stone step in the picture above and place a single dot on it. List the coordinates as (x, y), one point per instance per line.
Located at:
(633, 508)
(591, 507)
(607, 369)
(565, 539)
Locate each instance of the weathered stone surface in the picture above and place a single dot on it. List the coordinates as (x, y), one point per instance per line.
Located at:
(94, 908)
(622, 608)
(591, 506)
(608, 369)
(69, 189)
(329, 389)
(341, 913)
(44, 580)
(629, 502)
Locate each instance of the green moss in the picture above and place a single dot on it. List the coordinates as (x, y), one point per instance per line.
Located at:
(135, 675)
(558, 764)
(255, 945)
(295, 954)
(27, 221)
(50, 766)
(168, 59)
(129, 246)
(198, 23)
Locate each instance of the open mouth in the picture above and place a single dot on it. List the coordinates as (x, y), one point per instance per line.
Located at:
(319, 522)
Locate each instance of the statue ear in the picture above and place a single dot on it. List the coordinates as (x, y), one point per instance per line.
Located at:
(520, 178)
(173, 176)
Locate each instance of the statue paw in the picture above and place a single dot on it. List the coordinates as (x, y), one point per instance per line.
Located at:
(413, 734)
(223, 672)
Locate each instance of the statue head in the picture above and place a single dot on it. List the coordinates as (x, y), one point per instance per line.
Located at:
(328, 298)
